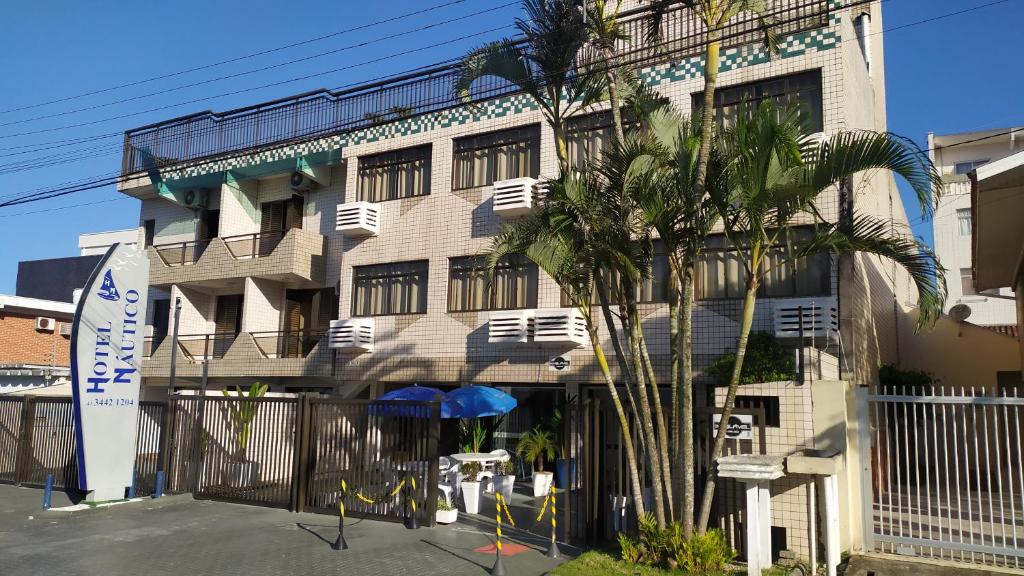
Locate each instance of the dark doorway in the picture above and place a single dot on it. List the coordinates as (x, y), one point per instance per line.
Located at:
(149, 226)
(276, 219)
(161, 319)
(209, 225)
(228, 321)
(300, 324)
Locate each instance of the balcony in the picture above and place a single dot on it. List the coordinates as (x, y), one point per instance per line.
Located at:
(806, 317)
(316, 114)
(358, 219)
(295, 258)
(353, 334)
(956, 184)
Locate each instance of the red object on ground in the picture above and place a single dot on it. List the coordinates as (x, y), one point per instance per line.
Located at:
(507, 549)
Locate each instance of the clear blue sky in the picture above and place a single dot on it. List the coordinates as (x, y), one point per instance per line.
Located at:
(957, 74)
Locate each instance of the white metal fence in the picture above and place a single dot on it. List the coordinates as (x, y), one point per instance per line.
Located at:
(947, 477)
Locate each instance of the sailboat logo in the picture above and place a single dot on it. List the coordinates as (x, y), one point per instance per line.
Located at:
(108, 291)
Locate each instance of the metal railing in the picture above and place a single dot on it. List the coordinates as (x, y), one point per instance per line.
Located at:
(209, 134)
(206, 346)
(947, 474)
(287, 344)
(255, 245)
(181, 253)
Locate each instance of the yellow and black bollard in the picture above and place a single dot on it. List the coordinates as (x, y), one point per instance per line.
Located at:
(340, 543)
(499, 568)
(410, 503)
(553, 548)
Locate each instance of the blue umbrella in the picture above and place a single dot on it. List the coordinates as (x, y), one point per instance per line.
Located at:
(479, 401)
(417, 394)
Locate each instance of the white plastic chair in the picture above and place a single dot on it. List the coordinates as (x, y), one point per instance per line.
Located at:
(501, 454)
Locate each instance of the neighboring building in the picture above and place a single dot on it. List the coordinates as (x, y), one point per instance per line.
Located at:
(34, 343)
(956, 155)
(58, 278)
(997, 247)
(336, 251)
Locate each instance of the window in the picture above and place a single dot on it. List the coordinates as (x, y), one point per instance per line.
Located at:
(586, 136)
(383, 289)
(963, 218)
(967, 282)
(393, 175)
(720, 272)
(803, 90)
(471, 286)
(481, 160)
(965, 167)
(652, 290)
(149, 232)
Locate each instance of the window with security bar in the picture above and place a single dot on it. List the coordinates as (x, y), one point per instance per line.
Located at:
(484, 159)
(587, 136)
(652, 290)
(390, 289)
(471, 286)
(396, 174)
(721, 274)
(802, 90)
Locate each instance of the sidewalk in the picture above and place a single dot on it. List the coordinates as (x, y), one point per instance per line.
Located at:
(177, 535)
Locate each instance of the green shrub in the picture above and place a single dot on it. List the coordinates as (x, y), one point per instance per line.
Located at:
(629, 548)
(442, 504)
(707, 553)
(703, 554)
(898, 381)
(765, 361)
(471, 470)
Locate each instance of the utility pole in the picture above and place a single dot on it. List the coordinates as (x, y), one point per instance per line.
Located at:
(174, 347)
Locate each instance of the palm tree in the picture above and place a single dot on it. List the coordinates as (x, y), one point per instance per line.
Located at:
(775, 173)
(565, 238)
(544, 64)
(602, 20)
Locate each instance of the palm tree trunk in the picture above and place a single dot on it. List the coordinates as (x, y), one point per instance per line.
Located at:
(627, 437)
(608, 53)
(659, 416)
(613, 334)
(686, 344)
(749, 301)
(708, 113)
(676, 347)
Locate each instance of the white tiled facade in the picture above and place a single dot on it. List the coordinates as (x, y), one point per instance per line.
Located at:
(955, 155)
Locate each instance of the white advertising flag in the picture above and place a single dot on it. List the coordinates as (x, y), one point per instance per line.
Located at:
(106, 353)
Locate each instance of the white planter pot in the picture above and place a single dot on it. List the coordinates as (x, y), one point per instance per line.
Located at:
(504, 484)
(542, 483)
(471, 496)
(242, 473)
(447, 516)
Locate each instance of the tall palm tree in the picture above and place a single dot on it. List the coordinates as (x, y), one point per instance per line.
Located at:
(602, 21)
(775, 173)
(566, 239)
(544, 64)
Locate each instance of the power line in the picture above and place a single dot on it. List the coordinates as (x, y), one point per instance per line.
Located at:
(56, 208)
(264, 68)
(237, 58)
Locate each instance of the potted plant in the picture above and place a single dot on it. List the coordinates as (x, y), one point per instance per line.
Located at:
(470, 487)
(565, 468)
(536, 446)
(504, 478)
(242, 472)
(447, 512)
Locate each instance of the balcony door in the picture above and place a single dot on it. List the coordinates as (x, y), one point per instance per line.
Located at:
(228, 321)
(276, 219)
(161, 320)
(307, 314)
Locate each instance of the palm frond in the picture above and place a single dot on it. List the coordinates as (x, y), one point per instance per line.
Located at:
(504, 59)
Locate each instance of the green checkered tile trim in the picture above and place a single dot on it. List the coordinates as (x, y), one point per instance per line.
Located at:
(821, 39)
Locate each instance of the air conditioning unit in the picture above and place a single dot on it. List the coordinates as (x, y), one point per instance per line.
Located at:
(819, 317)
(352, 334)
(65, 329)
(44, 324)
(514, 197)
(302, 183)
(196, 198)
(358, 219)
(560, 326)
(510, 326)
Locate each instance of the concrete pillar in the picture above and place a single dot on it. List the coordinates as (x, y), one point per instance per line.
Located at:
(755, 472)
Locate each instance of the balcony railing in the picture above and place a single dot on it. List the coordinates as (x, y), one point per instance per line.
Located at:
(288, 344)
(322, 112)
(253, 245)
(181, 253)
(206, 346)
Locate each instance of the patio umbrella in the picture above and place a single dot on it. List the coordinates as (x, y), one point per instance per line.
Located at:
(479, 401)
(416, 394)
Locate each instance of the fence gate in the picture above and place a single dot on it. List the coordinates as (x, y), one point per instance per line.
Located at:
(947, 476)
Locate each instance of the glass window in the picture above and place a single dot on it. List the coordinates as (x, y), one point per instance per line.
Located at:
(652, 290)
(965, 167)
(393, 175)
(963, 218)
(586, 136)
(382, 289)
(720, 273)
(472, 287)
(967, 282)
(802, 89)
(483, 159)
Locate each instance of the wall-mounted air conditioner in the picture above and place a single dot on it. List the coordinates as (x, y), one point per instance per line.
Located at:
(65, 329)
(510, 326)
(299, 182)
(514, 197)
(819, 317)
(352, 334)
(44, 324)
(560, 326)
(358, 219)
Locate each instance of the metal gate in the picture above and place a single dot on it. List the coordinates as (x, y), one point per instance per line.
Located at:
(946, 477)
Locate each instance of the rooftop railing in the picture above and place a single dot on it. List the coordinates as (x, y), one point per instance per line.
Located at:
(207, 135)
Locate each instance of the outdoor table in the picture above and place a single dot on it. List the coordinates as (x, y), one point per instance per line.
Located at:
(481, 457)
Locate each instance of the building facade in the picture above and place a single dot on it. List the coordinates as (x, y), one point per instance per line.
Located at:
(956, 156)
(341, 253)
(59, 279)
(34, 344)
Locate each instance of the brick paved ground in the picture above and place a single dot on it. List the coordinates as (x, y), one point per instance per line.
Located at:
(179, 536)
